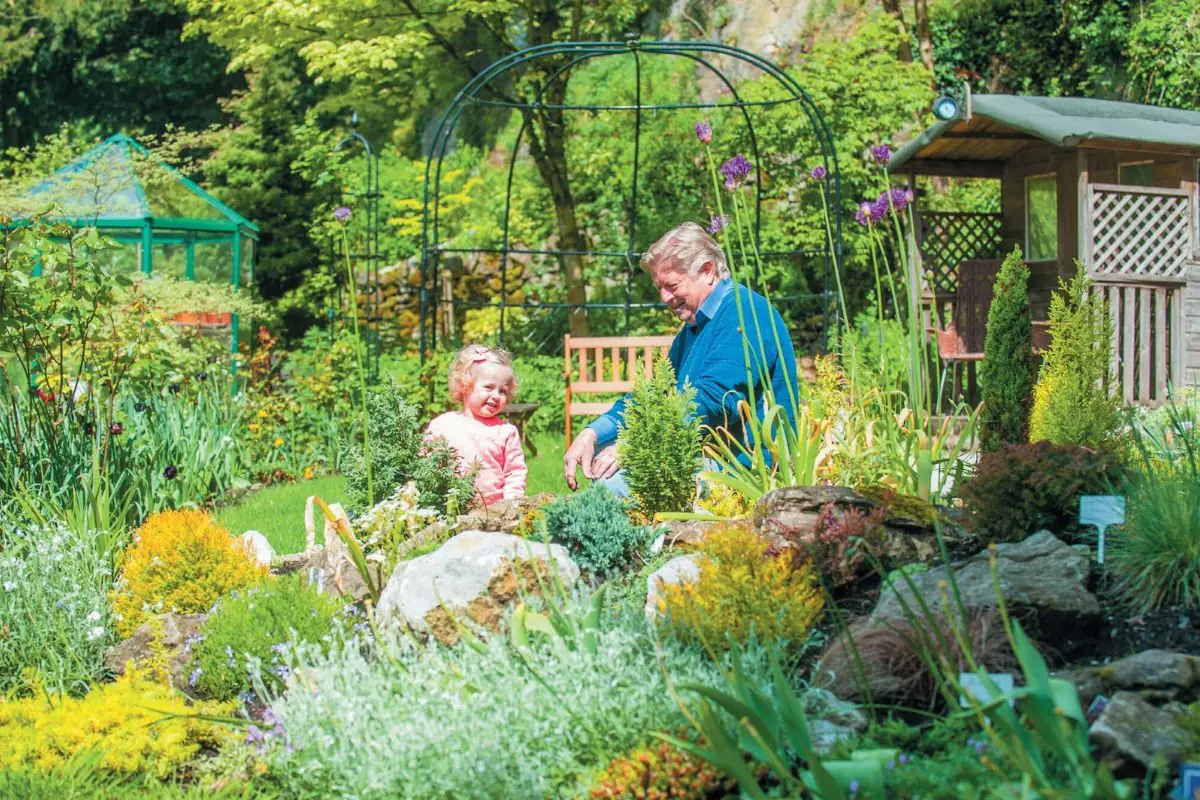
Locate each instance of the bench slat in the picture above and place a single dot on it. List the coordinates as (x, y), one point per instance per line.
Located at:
(589, 408)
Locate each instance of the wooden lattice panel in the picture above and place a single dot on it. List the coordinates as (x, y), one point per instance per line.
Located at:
(1139, 231)
(1147, 347)
(948, 238)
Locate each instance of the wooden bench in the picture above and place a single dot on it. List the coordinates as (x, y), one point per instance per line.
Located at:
(584, 369)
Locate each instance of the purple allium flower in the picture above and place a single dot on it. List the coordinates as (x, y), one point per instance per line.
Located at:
(195, 676)
(704, 132)
(817, 173)
(909, 195)
(882, 154)
(718, 224)
(116, 429)
(865, 214)
(735, 171)
(341, 214)
(170, 472)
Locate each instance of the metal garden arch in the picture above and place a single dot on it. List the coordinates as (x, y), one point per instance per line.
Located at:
(701, 53)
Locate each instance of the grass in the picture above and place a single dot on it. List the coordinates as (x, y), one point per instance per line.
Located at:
(277, 512)
(545, 469)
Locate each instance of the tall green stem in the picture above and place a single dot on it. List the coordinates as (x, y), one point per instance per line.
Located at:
(352, 287)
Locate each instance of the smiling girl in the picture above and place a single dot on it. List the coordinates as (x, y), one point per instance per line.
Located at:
(482, 383)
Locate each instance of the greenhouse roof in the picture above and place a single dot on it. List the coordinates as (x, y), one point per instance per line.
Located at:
(119, 184)
(999, 125)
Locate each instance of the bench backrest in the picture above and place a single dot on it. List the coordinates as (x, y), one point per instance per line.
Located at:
(605, 365)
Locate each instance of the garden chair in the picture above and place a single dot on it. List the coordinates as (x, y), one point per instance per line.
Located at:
(605, 365)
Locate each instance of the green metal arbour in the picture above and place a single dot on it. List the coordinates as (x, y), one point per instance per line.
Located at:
(698, 52)
(369, 256)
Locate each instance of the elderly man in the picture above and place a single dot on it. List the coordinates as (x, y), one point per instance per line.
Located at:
(692, 277)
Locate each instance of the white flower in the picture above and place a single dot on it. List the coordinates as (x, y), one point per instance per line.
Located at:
(94, 616)
(95, 633)
(10, 585)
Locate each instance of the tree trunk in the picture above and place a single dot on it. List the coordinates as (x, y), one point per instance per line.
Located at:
(892, 7)
(924, 36)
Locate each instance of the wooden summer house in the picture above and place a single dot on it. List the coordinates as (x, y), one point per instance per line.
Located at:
(1112, 185)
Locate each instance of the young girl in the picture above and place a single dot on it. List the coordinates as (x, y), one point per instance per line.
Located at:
(482, 383)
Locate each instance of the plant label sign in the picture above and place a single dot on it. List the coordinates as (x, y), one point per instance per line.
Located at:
(1189, 779)
(1101, 510)
(974, 688)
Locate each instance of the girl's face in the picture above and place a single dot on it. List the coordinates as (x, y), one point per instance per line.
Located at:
(490, 392)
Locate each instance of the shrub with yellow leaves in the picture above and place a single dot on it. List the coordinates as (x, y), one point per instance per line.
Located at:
(745, 586)
(128, 722)
(180, 561)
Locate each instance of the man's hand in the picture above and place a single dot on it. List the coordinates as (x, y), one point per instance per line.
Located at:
(604, 465)
(581, 453)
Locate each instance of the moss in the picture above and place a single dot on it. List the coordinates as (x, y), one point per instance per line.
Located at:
(904, 506)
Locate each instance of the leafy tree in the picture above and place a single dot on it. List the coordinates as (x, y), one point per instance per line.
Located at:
(403, 55)
(1162, 46)
(1006, 374)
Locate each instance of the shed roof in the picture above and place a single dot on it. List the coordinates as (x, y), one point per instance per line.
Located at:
(1002, 124)
(118, 182)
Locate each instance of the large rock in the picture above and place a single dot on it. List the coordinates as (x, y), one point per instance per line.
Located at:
(1162, 674)
(175, 634)
(681, 569)
(258, 548)
(1131, 728)
(504, 516)
(474, 575)
(1042, 579)
(831, 720)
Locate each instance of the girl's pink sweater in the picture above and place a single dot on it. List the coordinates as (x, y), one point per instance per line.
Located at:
(491, 442)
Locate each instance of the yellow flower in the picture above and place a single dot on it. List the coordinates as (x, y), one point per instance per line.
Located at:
(253, 426)
(308, 473)
(278, 442)
(262, 413)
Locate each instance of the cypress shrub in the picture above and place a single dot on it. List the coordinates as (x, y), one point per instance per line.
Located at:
(1006, 374)
(659, 443)
(1072, 404)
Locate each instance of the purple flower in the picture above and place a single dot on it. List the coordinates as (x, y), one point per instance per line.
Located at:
(909, 195)
(735, 171)
(895, 198)
(865, 214)
(195, 676)
(882, 154)
(718, 224)
(341, 214)
(704, 132)
(170, 472)
(817, 173)
(853, 787)
(256, 737)
(903, 758)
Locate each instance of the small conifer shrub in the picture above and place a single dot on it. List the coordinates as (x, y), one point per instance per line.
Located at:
(659, 443)
(1006, 374)
(594, 528)
(400, 453)
(1072, 402)
(180, 561)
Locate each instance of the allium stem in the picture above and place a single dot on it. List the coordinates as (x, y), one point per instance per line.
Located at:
(362, 375)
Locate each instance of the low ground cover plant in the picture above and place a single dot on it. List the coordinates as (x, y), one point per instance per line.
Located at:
(1020, 489)
(179, 561)
(534, 724)
(54, 609)
(745, 589)
(594, 527)
(261, 623)
(124, 720)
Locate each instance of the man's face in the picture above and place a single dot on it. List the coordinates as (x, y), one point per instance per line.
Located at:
(681, 292)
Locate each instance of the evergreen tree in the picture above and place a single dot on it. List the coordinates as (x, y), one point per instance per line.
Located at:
(1006, 375)
(659, 443)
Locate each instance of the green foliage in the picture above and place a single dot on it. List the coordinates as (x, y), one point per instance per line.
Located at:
(1159, 46)
(260, 623)
(277, 511)
(595, 528)
(660, 771)
(659, 442)
(1022, 488)
(400, 453)
(485, 721)
(1156, 554)
(1073, 402)
(1006, 375)
(54, 610)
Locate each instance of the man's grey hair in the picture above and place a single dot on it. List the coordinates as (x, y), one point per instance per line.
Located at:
(686, 247)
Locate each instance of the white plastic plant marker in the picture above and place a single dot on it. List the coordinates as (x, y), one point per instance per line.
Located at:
(973, 685)
(1101, 510)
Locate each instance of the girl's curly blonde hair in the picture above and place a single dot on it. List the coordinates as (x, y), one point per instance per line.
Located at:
(468, 360)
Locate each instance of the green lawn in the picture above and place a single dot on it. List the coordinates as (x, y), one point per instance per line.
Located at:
(545, 470)
(278, 512)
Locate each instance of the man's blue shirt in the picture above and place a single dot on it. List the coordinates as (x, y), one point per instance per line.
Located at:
(709, 354)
